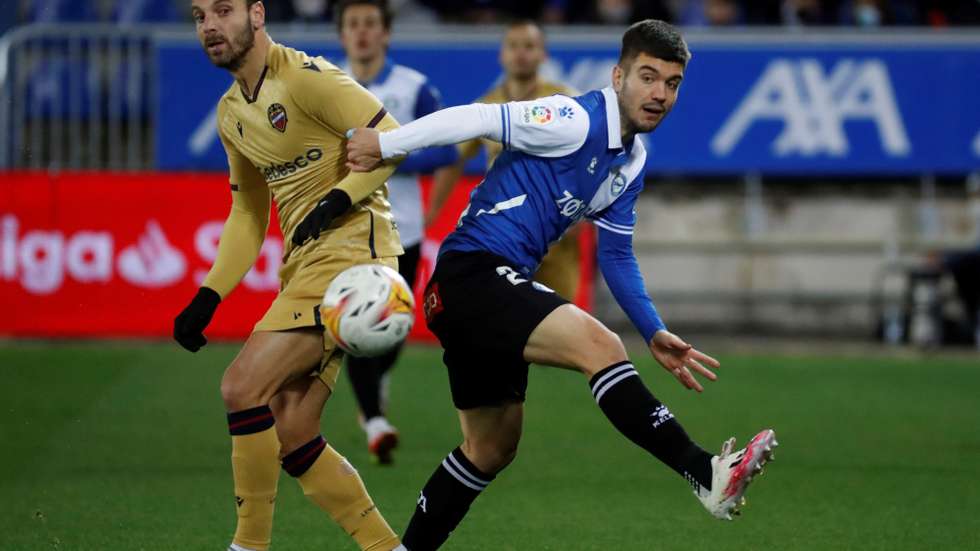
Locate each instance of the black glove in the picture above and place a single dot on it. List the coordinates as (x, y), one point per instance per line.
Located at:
(331, 206)
(190, 323)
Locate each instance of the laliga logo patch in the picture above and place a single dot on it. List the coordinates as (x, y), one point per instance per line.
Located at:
(277, 117)
(538, 114)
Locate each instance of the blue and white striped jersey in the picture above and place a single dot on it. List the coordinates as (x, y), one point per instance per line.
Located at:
(563, 160)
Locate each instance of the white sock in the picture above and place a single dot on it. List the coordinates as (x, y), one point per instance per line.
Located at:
(234, 547)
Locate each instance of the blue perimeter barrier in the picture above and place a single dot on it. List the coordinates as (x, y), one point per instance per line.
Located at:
(780, 104)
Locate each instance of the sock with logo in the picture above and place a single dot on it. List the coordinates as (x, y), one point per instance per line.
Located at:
(334, 485)
(635, 412)
(444, 501)
(255, 469)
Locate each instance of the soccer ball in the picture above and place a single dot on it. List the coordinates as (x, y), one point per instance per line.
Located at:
(368, 310)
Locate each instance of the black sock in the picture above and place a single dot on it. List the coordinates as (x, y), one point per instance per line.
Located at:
(443, 502)
(365, 378)
(635, 412)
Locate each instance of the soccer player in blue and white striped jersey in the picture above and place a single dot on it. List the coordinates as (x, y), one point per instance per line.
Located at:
(564, 159)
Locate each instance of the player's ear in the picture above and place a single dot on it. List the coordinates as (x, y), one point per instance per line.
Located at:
(257, 15)
(617, 77)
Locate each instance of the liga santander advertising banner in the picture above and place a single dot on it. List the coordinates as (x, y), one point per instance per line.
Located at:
(779, 105)
(120, 254)
(117, 254)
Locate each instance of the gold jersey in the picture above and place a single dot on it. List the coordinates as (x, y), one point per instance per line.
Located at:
(287, 140)
(498, 94)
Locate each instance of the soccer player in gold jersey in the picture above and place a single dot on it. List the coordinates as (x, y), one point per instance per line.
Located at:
(283, 123)
(521, 54)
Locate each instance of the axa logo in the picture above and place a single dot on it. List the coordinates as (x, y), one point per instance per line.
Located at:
(814, 103)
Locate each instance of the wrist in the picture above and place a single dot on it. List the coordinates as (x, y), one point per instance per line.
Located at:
(335, 203)
(208, 297)
(384, 146)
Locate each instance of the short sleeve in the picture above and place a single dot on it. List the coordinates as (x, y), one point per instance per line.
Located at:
(554, 126)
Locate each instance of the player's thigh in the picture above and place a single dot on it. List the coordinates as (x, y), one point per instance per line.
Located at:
(569, 337)
(297, 407)
(491, 434)
(483, 311)
(268, 360)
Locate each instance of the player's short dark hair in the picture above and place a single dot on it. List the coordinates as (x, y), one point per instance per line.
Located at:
(382, 5)
(655, 38)
(250, 3)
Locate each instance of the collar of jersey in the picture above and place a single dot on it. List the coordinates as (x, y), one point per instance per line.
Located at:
(612, 118)
(258, 87)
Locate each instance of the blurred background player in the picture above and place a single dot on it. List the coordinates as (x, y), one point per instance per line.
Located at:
(522, 53)
(365, 32)
(288, 113)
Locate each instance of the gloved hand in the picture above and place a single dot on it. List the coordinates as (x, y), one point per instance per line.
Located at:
(331, 206)
(190, 323)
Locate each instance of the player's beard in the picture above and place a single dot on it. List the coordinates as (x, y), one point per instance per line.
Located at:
(237, 49)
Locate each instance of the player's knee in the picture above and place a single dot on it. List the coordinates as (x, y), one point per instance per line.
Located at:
(491, 455)
(603, 349)
(239, 393)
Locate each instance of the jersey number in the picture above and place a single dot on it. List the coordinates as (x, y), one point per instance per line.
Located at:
(512, 276)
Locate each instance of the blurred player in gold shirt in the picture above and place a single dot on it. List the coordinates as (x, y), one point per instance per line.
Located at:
(521, 54)
(283, 123)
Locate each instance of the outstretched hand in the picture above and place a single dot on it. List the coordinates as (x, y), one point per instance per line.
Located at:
(680, 359)
(363, 149)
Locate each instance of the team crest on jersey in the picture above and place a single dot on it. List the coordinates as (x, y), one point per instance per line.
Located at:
(538, 114)
(618, 184)
(277, 117)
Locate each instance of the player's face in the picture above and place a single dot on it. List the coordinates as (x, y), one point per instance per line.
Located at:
(522, 52)
(226, 29)
(647, 89)
(363, 34)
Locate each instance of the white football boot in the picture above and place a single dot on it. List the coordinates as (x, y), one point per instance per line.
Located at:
(382, 439)
(732, 473)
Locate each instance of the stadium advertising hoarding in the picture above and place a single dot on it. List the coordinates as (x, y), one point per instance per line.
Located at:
(797, 107)
(117, 254)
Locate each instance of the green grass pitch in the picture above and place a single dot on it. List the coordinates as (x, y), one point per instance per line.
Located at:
(124, 446)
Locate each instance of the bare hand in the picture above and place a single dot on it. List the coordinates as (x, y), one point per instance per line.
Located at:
(363, 149)
(680, 359)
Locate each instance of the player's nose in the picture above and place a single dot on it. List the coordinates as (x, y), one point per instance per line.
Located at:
(658, 91)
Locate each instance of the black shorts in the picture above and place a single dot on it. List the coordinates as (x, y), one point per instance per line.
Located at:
(483, 311)
(408, 263)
